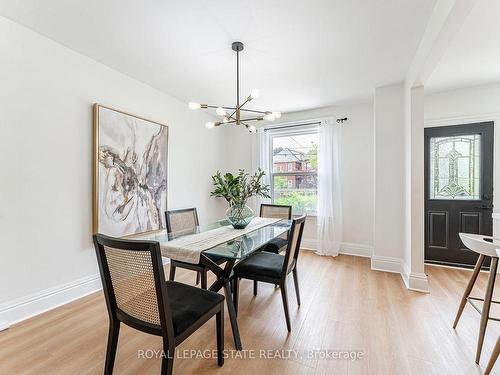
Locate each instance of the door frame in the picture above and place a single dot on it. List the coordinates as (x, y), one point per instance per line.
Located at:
(470, 119)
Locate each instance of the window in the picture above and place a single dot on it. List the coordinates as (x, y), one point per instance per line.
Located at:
(455, 169)
(294, 159)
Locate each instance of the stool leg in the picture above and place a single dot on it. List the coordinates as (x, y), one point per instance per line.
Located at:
(493, 358)
(468, 289)
(486, 306)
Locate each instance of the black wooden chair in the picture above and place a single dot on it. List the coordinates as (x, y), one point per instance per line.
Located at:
(273, 268)
(278, 244)
(137, 295)
(276, 211)
(183, 222)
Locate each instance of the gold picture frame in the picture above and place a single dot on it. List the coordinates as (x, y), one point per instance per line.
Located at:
(124, 166)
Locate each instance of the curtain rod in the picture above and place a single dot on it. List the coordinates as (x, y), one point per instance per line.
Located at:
(292, 125)
(339, 121)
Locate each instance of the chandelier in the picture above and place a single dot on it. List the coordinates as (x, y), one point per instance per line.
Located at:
(233, 115)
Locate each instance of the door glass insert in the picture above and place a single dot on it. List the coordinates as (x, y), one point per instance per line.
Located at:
(455, 167)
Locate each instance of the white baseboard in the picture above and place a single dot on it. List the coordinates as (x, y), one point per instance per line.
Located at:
(414, 280)
(14, 311)
(309, 244)
(356, 249)
(386, 264)
(346, 248)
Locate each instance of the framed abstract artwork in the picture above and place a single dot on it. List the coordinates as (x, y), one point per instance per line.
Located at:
(130, 173)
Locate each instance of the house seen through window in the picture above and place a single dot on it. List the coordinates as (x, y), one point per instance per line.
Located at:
(294, 177)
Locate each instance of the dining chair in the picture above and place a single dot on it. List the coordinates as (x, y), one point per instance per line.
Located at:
(137, 295)
(273, 268)
(183, 222)
(276, 211)
(278, 244)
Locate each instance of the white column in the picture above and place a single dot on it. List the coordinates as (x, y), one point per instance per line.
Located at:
(389, 187)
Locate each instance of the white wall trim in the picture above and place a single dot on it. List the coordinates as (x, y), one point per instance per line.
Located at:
(346, 248)
(458, 120)
(14, 311)
(386, 264)
(356, 249)
(414, 280)
(309, 244)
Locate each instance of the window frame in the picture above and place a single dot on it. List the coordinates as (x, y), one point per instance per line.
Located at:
(287, 131)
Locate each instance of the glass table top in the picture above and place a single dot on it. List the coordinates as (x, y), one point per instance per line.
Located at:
(238, 248)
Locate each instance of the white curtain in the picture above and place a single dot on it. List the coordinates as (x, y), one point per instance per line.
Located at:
(263, 162)
(329, 217)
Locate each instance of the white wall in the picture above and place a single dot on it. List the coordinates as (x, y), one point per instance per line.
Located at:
(472, 104)
(389, 194)
(46, 94)
(356, 174)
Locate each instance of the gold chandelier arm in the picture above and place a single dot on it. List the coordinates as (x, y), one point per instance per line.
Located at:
(255, 111)
(252, 119)
(217, 106)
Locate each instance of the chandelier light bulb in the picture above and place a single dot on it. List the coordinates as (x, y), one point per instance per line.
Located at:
(210, 125)
(194, 105)
(252, 129)
(277, 114)
(220, 111)
(269, 117)
(254, 94)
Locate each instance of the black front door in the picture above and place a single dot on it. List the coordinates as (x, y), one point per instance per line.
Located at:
(458, 190)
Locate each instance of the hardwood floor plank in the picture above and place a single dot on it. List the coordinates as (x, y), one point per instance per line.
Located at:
(345, 307)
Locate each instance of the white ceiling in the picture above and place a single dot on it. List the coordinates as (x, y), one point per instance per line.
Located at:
(300, 54)
(473, 56)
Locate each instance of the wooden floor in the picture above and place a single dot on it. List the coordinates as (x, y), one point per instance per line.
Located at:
(345, 307)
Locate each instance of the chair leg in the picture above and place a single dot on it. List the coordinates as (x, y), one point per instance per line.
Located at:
(493, 358)
(198, 277)
(232, 316)
(167, 362)
(203, 279)
(236, 293)
(468, 289)
(296, 282)
(171, 276)
(220, 335)
(114, 331)
(285, 305)
(255, 285)
(486, 307)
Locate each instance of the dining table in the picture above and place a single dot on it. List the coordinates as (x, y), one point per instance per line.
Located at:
(219, 239)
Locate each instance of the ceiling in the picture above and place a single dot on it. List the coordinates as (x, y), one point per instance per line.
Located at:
(473, 56)
(300, 54)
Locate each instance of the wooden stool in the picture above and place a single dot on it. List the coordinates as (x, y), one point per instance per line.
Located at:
(483, 253)
(493, 358)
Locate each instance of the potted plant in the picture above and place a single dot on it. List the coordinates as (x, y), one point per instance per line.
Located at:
(236, 190)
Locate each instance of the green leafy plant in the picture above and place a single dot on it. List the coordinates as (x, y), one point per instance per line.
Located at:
(237, 189)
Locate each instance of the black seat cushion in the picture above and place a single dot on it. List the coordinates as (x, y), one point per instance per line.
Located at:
(188, 304)
(260, 264)
(275, 245)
